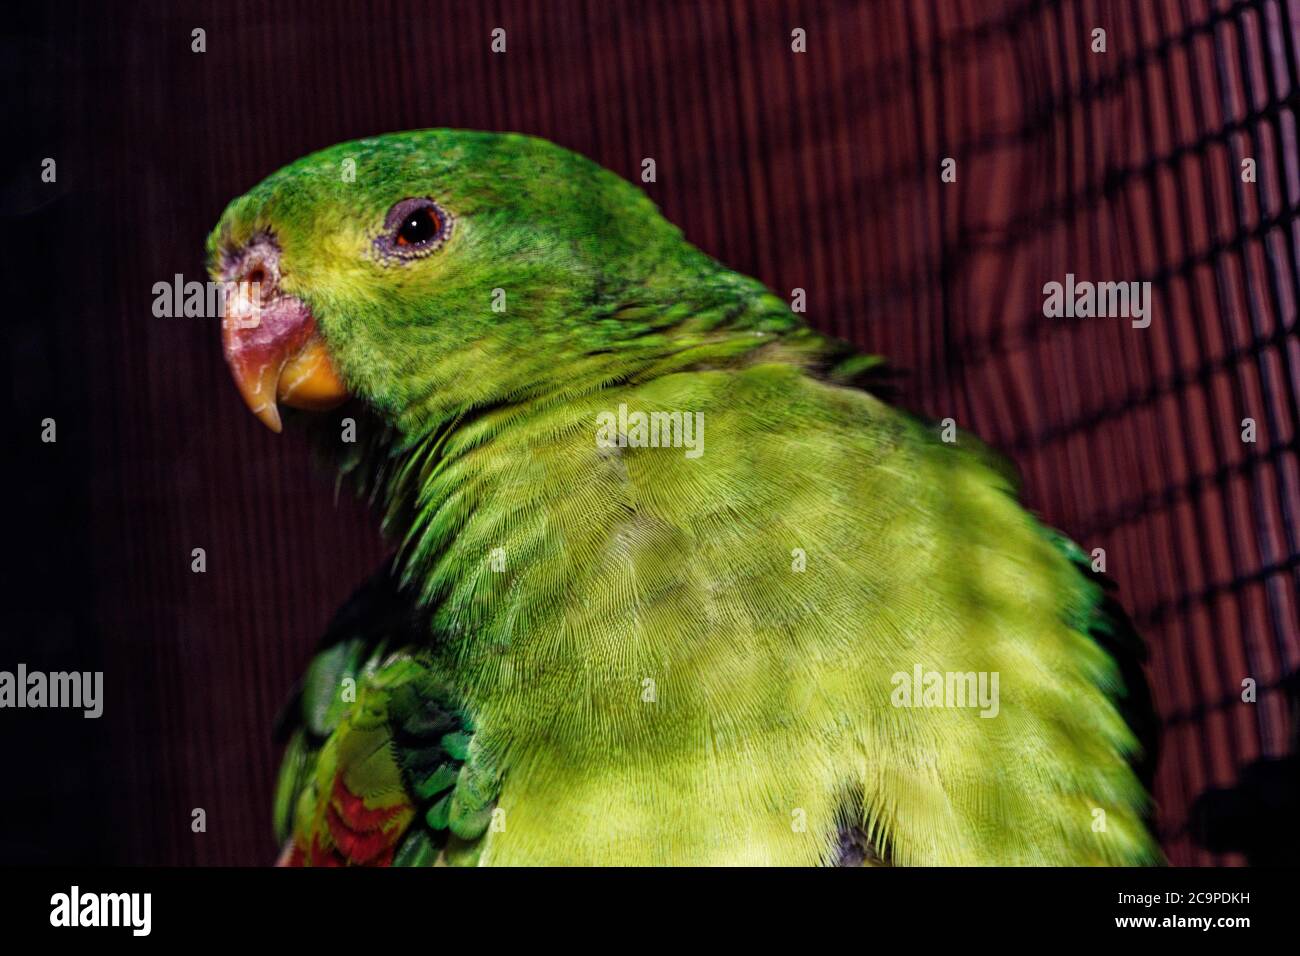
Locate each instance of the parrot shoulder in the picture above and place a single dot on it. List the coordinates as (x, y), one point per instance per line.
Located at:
(380, 764)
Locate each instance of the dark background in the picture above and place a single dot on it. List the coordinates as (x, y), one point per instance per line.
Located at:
(818, 170)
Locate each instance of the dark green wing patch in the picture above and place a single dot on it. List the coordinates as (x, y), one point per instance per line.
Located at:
(374, 656)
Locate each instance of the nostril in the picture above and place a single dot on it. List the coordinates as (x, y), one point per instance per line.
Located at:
(255, 270)
(259, 281)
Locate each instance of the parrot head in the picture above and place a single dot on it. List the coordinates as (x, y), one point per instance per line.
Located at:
(433, 266)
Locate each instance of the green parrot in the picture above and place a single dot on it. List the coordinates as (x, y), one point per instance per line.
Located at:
(672, 583)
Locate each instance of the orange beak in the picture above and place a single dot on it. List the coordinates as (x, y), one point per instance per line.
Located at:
(274, 349)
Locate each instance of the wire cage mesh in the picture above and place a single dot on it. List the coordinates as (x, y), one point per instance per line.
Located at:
(1170, 158)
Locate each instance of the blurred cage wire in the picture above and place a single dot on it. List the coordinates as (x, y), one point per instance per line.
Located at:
(1122, 165)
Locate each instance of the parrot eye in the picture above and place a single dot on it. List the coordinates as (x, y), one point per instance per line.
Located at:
(419, 226)
(413, 228)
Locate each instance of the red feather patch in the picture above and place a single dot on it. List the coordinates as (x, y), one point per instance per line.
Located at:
(358, 835)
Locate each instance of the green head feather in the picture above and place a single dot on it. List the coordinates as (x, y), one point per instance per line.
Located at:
(548, 261)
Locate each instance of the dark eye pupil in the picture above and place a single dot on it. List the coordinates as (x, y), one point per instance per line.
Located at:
(419, 226)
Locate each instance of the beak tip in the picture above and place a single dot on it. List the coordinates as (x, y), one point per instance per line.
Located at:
(269, 415)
